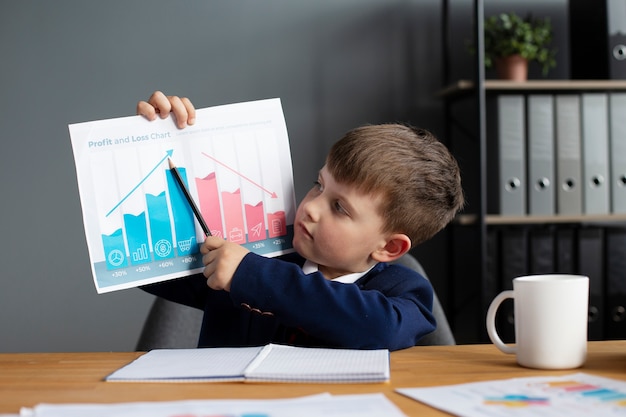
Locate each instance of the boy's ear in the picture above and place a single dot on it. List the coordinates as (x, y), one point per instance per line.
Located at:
(397, 245)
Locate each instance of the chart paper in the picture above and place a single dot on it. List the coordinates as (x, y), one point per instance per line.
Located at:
(235, 161)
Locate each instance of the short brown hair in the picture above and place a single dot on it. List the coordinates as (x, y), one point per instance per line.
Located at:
(416, 175)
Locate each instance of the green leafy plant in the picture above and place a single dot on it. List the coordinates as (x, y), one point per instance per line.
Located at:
(508, 34)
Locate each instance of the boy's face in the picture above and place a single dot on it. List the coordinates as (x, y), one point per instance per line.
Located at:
(338, 227)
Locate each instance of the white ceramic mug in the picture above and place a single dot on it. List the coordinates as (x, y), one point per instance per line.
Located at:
(551, 315)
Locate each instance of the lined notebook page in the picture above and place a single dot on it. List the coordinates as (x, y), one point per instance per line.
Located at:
(279, 363)
(271, 363)
(181, 365)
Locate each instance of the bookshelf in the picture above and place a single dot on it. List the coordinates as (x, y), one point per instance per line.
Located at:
(465, 88)
(472, 282)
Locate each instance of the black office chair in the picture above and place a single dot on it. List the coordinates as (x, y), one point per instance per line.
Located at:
(443, 334)
(174, 326)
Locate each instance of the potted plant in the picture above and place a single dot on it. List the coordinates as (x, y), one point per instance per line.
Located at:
(509, 37)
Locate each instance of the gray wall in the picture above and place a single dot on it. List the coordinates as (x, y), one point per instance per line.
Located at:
(334, 63)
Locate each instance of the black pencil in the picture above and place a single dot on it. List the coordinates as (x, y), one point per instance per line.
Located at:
(192, 203)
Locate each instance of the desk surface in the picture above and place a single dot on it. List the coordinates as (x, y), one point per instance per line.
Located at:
(27, 379)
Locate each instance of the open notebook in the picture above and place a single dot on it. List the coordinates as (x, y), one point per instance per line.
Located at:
(270, 363)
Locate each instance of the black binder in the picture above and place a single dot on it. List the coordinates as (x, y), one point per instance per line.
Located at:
(541, 250)
(491, 283)
(565, 256)
(591, 264)
(514, 263)
(597, 39)
(616, 283)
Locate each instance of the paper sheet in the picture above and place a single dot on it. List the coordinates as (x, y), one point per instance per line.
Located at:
(574, 395)
(236, 163)
(367, 405)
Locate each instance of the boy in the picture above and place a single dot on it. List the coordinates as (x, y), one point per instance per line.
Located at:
(383, 190)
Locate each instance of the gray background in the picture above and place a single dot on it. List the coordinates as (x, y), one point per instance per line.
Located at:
(335, 64)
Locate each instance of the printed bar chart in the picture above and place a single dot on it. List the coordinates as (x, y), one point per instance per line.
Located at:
(140, 229)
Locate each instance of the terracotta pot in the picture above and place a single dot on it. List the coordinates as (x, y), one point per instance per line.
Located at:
(513, 67)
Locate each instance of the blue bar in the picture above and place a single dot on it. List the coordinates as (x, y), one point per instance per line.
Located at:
(114, 250)
(184, 226)
(137, 236)
(160, 226)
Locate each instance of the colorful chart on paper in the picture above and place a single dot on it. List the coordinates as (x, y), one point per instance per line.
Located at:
(573, 395)
(235, 162)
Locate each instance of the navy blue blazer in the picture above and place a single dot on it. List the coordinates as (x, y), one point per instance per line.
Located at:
(272, 301)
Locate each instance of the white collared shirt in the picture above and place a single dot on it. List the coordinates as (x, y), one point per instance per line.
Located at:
(310, 267)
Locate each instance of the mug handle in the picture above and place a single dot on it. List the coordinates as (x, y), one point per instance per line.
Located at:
(491, 322)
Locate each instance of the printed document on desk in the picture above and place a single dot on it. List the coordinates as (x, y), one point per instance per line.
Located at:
(358, 405)
(270, 363)
(573, 395)
(235, 161)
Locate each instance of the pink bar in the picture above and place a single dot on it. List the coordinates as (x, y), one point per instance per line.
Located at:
(276, 224)
(210, 204)
(256, 225)
(233, 215)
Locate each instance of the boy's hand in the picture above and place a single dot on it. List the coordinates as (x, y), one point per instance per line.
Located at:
(181, 107)
(221, 259)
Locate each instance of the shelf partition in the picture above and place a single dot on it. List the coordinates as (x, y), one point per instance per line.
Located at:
(463, 87)
(496, 219)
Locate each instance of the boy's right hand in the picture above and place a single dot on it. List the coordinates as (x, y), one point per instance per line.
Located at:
(182, 108)
(221, 259)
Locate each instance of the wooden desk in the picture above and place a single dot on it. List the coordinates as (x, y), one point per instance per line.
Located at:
(27, 379)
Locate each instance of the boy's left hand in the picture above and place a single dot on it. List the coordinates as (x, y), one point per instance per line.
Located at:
(158, 103)
(221, 259)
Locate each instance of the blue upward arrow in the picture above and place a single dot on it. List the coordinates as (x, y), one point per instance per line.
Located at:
(167, 155)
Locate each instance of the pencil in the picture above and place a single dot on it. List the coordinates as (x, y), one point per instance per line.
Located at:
(192, 203)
